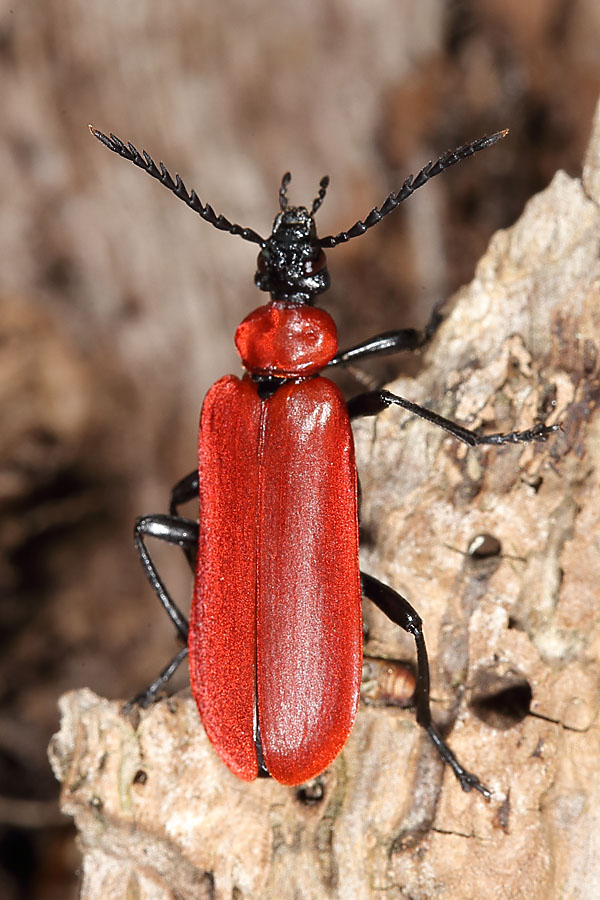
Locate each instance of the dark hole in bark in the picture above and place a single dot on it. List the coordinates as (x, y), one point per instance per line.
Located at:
(503, 706)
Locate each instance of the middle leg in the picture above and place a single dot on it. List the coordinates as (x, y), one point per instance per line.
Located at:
(184, 533)
(373, 402)
(185, 490)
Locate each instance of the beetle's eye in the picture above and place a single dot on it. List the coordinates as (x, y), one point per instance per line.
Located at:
(312, 266)
(261, 263)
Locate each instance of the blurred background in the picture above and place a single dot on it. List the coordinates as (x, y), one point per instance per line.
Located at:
(118, 305)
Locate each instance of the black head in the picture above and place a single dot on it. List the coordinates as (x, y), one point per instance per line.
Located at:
(291, 262)
(291, 265)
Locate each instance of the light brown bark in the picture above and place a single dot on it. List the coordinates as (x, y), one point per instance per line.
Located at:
(159, 815)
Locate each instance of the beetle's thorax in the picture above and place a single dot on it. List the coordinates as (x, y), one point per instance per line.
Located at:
(291, 265)
(286, 340)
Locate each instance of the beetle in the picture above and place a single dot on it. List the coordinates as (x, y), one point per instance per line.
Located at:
(275, 631)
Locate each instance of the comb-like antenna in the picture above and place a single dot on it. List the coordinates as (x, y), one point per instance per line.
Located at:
(323, 185)
(410, 186)
(283, 201)
(162, 174)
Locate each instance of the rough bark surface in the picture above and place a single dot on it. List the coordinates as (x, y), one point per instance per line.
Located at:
(158, 814)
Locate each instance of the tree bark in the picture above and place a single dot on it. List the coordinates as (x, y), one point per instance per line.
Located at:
(514, 638)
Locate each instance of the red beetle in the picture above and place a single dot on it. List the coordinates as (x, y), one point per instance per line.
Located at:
(275, 632)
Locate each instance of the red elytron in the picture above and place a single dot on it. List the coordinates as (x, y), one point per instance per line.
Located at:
(275, 631)
(273, 623)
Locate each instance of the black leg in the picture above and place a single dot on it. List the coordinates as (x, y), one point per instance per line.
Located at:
(374, 402)
(184, 533)
(185, 490)
(390, 342)
(148, 696)
(387, 343)
(173, 530)
(401, 613)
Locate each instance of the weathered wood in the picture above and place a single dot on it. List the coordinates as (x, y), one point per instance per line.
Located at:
(160, 817)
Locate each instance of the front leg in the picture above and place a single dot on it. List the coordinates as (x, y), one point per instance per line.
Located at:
(390, 342)
(402, 613)
(381, 345)
(373, 402)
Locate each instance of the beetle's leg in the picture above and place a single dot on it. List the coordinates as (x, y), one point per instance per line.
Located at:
(148, 696)
(382, 344)
(173, 530)
(185, 490)
(402, 613)
(390, 342)
(374, 402)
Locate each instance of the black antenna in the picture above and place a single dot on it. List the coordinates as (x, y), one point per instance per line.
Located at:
(283, 201)
(410, 186)
(323, 185)
(162, 174)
